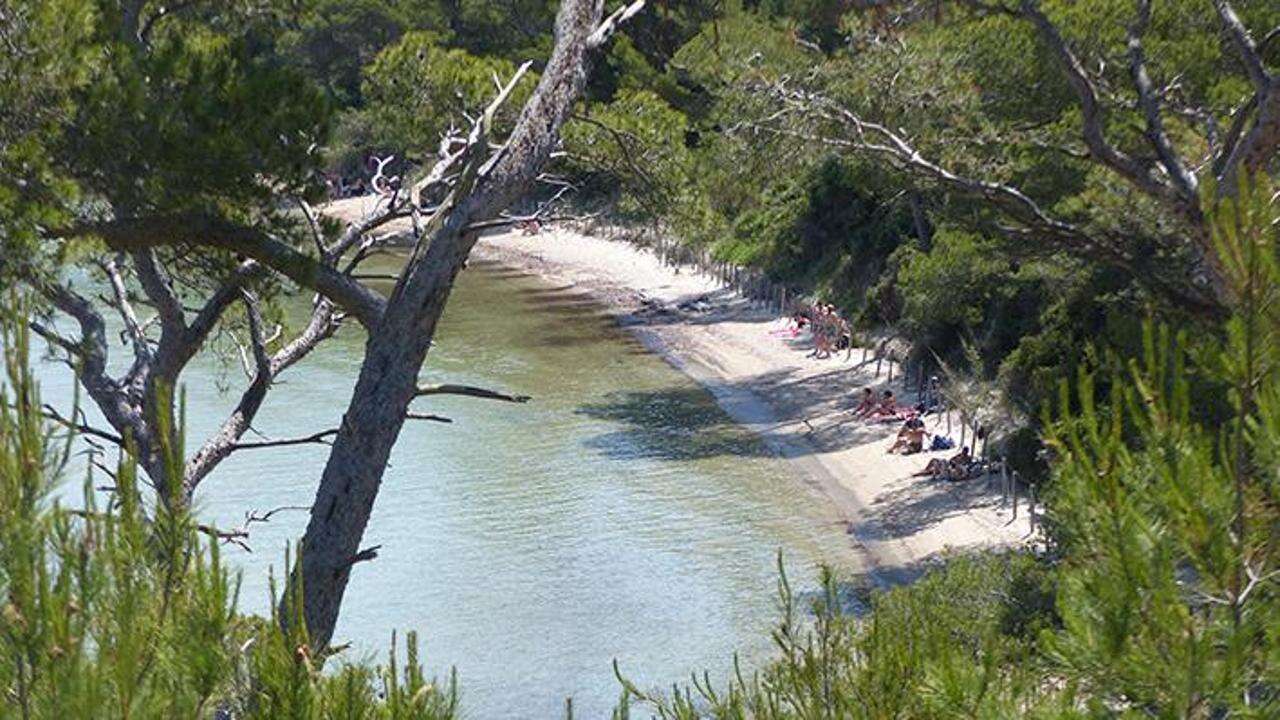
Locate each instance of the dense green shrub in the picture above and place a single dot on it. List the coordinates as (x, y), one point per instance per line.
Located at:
(962, 641)
(1159, 593)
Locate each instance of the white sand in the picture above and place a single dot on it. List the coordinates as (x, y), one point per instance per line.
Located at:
(799, 405)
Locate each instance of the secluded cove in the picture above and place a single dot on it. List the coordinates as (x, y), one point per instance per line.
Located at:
(620, 514)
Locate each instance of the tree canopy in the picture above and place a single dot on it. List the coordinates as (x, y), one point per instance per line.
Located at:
(1014, 187)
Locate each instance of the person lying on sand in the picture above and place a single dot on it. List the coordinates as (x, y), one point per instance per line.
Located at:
(955, 468)
(793, 326)
(910, 437)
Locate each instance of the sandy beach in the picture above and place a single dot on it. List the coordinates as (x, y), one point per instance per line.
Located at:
(765, 379)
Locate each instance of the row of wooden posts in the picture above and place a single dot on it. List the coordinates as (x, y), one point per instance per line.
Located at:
(758, 288)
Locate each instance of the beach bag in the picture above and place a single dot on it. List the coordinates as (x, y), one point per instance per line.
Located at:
(941, 443)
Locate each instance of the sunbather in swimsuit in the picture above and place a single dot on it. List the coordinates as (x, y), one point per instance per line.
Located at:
(956, 468)
(887, 408)
(867, 404)
(910, 437)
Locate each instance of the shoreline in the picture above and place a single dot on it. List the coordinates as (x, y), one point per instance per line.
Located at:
(797, 405)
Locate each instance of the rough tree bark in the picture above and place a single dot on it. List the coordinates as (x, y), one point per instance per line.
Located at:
(398, 344)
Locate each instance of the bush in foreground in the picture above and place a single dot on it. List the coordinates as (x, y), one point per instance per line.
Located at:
(119, 609)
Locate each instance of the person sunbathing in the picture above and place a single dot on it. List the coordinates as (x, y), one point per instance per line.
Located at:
(867, 404)
(910, 437)
(794, 324)
(955, 468)
(886, 409)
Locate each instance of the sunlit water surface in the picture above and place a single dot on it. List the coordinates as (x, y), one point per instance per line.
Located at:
(620, 514)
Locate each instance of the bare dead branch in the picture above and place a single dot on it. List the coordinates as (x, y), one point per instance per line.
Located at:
(313, 223)
(81, 427)
(224, 441)
(448, 158)
(72, 349)
(216, 306)
(1243, 43)
(365, 555)
(1239, 120)
(1149, 102)
(317, 438)
(1091, 110)
(611, 24)
(254, 516)
(470, 391)
(133, 329)
(427, 417)
(321, 326)
(199, 229)
(623, 146)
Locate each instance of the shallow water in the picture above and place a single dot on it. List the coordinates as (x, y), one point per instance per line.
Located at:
(620, 514)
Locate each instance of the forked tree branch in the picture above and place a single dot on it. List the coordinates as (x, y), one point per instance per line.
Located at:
(81, 427)
(198, 229)
(1091, 110)
(159, 290)
(120, 294)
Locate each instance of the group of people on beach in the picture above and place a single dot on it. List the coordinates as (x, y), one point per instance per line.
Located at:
(831, 332)
(912, 434)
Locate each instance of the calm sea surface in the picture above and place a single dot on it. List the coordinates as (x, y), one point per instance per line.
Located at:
(620, 514)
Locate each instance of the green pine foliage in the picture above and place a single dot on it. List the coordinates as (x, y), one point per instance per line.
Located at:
(1159, 592)
(115, 608)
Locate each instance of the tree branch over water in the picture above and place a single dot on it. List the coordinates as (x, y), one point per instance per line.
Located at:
(470, 391)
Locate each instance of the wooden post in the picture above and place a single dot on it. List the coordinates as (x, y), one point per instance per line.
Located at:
(1004, 480)
(964, 425)
(1031, 505)
(1014, 490)
(890, 380)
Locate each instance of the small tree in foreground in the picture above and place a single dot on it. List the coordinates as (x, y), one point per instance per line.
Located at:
(116, 610)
